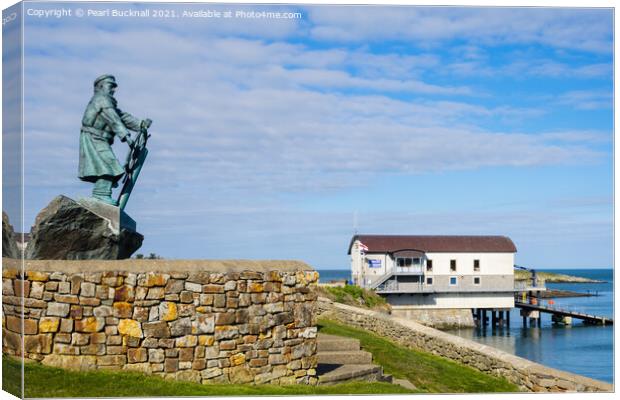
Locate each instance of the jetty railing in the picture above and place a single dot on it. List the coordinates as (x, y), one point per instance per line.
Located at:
(588, 318)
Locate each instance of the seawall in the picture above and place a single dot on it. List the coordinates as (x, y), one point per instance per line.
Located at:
(444, 318)
(230, 321)
(528, 375)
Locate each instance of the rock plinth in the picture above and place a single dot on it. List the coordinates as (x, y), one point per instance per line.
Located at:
(9, 247)
(82, 230)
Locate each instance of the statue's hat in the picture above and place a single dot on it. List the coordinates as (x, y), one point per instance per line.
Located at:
(106, 78)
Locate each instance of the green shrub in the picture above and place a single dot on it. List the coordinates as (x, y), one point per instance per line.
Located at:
(355, 295)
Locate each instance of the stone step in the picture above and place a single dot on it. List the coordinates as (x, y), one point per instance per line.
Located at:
(404, 383)
(344, 357)
(336, 343)
(340, 359)
(330, 374)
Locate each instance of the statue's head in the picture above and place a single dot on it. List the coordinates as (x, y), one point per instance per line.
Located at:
(106, 84)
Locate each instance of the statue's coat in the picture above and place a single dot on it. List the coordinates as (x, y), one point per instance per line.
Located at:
(102, 121)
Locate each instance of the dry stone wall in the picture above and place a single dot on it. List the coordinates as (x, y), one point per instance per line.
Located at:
(529, 375)
(208, 322)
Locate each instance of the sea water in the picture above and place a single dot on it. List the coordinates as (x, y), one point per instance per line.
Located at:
(582, 349)
(327, 275)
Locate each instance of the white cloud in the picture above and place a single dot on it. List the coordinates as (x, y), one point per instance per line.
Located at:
(556, 69)
(577, 29)
(528, 66)
(586, 137)
(224, 116)
(241, 122)
(587, 99)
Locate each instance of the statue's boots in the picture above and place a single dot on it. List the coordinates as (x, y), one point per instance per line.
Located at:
(103, 191)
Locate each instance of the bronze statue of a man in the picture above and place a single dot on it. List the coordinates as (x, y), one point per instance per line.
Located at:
(103, 121)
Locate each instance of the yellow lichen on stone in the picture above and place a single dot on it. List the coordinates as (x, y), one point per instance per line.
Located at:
(89, 325)
(49, 324)
(186, 341)
(312, 276)
(37, 276)
(237, 359)
(274, 276)
(206, 340)
(129, 327)
(301, 277)
(154, 279)
(168, 311)
(10, 273)
(255, 287)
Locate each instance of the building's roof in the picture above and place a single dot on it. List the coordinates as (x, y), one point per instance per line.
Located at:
(435, 244)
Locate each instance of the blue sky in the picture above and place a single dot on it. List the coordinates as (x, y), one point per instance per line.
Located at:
(269, 136)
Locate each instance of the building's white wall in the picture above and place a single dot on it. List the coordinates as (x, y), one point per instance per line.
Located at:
(360, 267)
(452, 300)
(490, 263)
(356, 263)
(372, 274)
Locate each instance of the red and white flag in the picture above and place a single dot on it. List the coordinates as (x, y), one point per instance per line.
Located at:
(363, 247)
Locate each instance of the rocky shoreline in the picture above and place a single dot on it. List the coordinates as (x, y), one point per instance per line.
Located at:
(551, 277)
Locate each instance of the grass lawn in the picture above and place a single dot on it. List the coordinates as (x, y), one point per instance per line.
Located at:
(427, 372)
(44, 381)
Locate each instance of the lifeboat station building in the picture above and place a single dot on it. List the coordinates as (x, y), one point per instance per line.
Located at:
(436, 272)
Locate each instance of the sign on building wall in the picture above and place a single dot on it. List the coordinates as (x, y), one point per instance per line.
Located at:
(374, 263)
